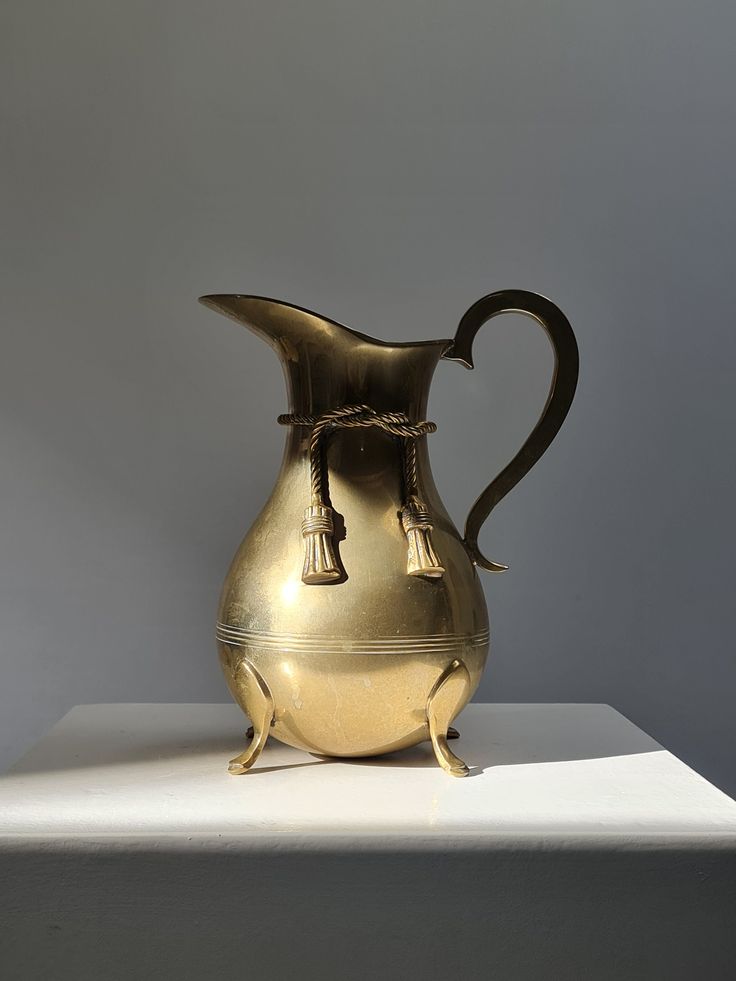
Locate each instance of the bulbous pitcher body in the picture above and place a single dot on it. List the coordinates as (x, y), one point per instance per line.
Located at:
(352, 621)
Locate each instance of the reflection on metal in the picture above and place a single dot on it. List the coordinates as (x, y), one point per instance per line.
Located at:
(359, 626)
(254, 696)
(449, 692)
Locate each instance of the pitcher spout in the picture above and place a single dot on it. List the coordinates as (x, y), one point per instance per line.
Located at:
(285, 327)
(328, 364)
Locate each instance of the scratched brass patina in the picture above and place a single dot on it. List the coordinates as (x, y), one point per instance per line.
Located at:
(352, 620)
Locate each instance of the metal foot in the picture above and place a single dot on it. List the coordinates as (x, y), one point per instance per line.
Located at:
(444, 700)
(452, 733)
(253, 693)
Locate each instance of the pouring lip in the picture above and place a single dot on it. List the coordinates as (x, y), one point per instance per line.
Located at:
(211, 300)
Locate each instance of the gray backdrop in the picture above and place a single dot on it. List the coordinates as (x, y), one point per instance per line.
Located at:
(387, 164)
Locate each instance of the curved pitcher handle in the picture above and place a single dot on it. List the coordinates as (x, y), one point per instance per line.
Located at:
(562, 389)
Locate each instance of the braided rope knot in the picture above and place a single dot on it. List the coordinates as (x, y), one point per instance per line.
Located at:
(396, 423)
(320, 563)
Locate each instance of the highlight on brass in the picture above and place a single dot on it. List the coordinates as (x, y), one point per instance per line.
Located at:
(352, 621)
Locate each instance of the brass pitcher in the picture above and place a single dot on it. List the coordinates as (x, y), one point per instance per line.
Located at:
(352, 621)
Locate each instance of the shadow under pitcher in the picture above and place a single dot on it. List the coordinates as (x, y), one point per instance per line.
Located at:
(352, 621)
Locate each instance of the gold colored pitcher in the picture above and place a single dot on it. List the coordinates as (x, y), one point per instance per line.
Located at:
(352, 621)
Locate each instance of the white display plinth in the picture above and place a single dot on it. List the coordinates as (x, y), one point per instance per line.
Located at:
(576, 848)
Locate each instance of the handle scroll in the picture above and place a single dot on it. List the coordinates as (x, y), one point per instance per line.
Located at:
(562, 390)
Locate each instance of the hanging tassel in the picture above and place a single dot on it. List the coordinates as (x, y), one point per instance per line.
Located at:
(320, 564)
(422, 558)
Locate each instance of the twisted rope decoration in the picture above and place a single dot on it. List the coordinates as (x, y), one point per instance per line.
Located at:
(357, 416)
(320, 564)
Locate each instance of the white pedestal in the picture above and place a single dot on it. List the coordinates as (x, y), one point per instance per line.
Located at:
(577, 848)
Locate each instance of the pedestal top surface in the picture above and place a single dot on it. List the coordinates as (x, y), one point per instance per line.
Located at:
(552, 773)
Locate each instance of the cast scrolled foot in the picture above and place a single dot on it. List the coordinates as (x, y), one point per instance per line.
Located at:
(254, 693)
(452, 733)
(444, 701)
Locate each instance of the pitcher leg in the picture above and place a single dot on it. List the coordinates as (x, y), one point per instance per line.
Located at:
(452, 733)
(447, 695)
(255, 695)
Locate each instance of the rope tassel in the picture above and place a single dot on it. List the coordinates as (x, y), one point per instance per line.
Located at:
(320, 563)
(422, 559)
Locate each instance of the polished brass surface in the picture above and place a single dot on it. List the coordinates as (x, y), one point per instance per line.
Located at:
(250, 689)
(449, 694)
(352, 621)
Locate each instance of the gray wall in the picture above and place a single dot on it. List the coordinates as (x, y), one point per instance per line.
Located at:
(384, 163)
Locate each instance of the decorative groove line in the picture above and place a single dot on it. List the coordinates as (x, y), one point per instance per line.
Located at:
(317, 644)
